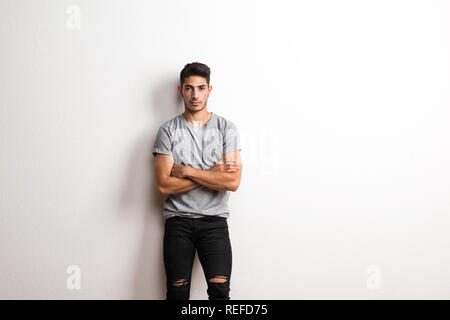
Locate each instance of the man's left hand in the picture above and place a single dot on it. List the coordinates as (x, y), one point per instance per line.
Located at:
(179, 171)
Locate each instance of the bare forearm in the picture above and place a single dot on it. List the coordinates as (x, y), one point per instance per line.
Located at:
(177, 185)
(216, 180)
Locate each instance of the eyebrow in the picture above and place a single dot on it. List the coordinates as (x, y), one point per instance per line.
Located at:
(188, 85)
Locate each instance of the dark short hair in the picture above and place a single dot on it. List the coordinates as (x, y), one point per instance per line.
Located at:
(195, 69)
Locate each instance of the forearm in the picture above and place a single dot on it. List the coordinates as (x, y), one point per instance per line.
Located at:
(174, 185)
(216, 180)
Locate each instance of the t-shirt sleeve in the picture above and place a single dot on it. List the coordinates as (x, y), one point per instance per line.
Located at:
(163, 144)
(231, 141)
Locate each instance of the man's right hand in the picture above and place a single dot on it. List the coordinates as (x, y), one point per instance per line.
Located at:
(230, 166)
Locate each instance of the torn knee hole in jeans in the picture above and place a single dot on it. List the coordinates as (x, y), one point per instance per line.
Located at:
(180, 283)
(219, 279)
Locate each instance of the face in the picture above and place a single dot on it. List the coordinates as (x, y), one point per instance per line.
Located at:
(195, 93)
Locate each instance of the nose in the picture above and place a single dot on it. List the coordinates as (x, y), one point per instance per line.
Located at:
(195, 94)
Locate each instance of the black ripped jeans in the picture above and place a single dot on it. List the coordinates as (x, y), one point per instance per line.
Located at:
(210, 237)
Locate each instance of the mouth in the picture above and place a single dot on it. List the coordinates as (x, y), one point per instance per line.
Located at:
(196, 102)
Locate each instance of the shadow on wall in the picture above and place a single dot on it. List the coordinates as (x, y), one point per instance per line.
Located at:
(140, 195)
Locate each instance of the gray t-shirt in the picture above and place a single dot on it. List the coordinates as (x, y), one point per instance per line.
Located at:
(199, 148)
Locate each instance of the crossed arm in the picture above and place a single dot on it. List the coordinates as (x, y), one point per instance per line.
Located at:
(179, 178)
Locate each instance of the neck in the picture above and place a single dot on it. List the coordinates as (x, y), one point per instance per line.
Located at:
(199, 118)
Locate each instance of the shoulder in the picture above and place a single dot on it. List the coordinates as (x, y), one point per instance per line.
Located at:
(225, 124)
(169, 127)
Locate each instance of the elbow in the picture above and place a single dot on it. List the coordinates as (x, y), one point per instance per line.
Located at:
(234, 182)
(162, 191)
(233, 187)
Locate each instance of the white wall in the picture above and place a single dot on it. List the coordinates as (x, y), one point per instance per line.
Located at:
(343, 112)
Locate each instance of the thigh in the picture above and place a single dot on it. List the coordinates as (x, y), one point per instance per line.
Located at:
(214, 247)
(179, 248)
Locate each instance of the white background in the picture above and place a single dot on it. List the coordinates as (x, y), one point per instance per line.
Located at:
(343, 110)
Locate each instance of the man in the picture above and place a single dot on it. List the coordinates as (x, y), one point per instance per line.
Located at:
(197, 165)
